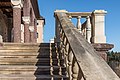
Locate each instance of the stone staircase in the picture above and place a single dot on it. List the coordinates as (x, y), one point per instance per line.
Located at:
(31, 62)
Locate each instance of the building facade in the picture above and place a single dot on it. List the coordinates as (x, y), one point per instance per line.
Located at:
(20, 21)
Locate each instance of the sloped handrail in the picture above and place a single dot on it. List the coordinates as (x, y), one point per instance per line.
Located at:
(81, 60)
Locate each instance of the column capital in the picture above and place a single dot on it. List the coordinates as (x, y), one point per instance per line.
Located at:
(26, 19)
(17, 6)
(99, 12)
(17, 3)
(31, 28)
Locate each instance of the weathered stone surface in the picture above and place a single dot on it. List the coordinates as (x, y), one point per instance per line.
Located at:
(102, 48)
(22, 61)
(92, 65)
(98, 20)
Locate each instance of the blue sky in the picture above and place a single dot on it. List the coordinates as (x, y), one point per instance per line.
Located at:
(112, 26)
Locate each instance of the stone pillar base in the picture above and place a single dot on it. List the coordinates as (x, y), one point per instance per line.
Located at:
(102, 48)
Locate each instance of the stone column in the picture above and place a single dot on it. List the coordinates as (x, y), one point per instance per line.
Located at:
(98, 24)
(26, 19)
(17, 23)
(79, 24)
(88, 30)
(31, 27)
(35, 30)
(22, 33)
(32, 36)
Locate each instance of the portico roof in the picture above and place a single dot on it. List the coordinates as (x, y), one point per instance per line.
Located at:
(6, 7)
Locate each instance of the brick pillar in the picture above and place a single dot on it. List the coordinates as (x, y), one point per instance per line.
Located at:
(17, 23)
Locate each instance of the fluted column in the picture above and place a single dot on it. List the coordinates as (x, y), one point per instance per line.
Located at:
(79, 24)
(17, 23)
(88, 29)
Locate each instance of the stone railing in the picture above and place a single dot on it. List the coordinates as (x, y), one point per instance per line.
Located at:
(81, 60)
(85, 28)
(93, 28)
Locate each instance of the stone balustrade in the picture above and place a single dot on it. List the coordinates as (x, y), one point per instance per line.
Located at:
(81, 59)
(93, 27)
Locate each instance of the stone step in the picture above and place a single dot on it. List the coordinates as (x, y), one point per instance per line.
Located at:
(29, 56)
(38, 55)
(38, 70)
(26, 48)
(33, 77)
(19, 51)
(46, 50)
(28, 61)
(29, 44)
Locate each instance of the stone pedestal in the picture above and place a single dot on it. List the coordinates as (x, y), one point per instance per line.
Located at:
(98, 25)
(102, 49)
(40, 25)
(17, 23)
